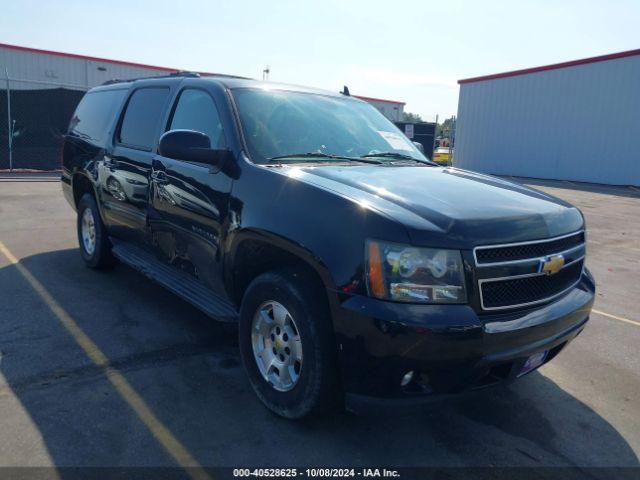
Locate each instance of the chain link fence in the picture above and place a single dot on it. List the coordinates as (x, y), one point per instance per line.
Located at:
(33, 117)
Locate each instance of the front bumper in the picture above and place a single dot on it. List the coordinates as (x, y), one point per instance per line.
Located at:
(451, 348)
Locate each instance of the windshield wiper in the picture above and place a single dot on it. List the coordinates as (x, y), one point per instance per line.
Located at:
(293, 156)
(400, 156)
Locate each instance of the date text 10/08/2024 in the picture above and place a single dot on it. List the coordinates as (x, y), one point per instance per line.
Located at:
(316, 472)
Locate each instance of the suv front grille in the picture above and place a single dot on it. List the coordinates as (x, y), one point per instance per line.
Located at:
(504, 253)
(526, 290)
(510, 276)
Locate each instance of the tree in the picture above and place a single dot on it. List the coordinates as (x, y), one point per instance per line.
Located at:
(446, 128)
(411, 117)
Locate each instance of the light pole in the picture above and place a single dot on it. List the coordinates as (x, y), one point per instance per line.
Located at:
(10, 125)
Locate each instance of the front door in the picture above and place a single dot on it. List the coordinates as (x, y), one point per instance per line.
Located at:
(189, 201)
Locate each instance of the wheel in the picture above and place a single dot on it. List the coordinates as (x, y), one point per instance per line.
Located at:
(95, 247)
(286, 344)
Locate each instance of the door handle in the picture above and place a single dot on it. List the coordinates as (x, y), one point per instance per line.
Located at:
(159, 177)
(110, 162)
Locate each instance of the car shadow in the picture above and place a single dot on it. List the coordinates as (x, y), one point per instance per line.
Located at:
(186, 368)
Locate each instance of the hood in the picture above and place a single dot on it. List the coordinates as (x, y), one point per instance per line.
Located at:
(448, 206)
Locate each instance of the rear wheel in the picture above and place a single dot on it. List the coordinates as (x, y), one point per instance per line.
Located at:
(95, 247)
(287, 346)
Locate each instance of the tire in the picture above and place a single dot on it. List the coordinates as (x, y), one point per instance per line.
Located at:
(316, 388)
(100, 255)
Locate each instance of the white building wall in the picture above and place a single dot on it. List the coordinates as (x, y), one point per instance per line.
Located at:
(575, 123)
(41, 70)
(391, 110)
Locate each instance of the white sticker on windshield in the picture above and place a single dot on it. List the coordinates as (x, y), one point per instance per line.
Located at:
(396, 140)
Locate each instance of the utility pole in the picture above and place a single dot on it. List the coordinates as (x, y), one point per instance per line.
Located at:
(9, 124)
(452, 147)
(435, 133)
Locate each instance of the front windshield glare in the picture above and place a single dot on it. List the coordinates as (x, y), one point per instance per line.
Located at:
(277, 123)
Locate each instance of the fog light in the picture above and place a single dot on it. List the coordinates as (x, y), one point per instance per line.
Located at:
(406, 380)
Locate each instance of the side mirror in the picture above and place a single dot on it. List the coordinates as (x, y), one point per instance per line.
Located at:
(190, 146)
(419, 146)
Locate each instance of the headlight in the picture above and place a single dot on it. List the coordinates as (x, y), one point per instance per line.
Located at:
(410, 274)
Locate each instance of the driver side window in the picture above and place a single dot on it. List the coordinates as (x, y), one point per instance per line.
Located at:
(197, 111)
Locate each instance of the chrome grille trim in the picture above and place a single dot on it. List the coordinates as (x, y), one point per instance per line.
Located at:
(526, 275)
(532, 259)
(483, 281)
(517, 244)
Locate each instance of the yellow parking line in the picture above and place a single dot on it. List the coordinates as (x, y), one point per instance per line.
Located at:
(615, 317)
(160, 432)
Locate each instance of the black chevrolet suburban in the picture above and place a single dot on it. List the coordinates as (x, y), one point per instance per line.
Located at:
(355, 267)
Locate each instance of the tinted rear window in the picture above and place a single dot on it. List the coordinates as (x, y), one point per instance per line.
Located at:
(141, 117)
(95, 113)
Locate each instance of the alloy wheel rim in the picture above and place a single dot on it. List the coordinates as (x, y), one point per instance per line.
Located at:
(88, 231)
(277, 347)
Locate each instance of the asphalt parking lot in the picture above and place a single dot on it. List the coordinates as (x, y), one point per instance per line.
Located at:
(185, 399)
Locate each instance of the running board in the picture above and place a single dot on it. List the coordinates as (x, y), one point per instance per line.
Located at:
(182, 284)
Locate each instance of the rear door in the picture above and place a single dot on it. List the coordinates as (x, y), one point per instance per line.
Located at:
(124, 170)
(189, 201)
(90, 130)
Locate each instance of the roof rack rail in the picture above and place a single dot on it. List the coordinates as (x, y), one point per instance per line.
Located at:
(184, 73)
(178, 73)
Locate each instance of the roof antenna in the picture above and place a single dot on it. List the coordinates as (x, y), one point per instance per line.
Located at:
(345, 91)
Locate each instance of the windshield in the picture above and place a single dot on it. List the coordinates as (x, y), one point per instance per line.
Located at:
(280, 123)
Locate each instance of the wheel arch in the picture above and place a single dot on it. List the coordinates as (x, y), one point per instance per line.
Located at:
(82, 183)
(253, 252)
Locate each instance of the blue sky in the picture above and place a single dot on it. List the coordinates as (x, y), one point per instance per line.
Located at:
(412, 51)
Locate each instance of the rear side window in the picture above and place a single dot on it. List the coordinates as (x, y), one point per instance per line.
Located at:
(141, 117)
(94, 115)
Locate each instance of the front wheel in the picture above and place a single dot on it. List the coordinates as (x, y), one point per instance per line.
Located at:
(95, 247)
(287, 346)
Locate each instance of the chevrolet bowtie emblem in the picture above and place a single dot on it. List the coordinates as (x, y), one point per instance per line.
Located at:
(551, 264)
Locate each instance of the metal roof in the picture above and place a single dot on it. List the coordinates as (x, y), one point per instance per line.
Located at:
(374, 99)
(98, 59)
(554, 66)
